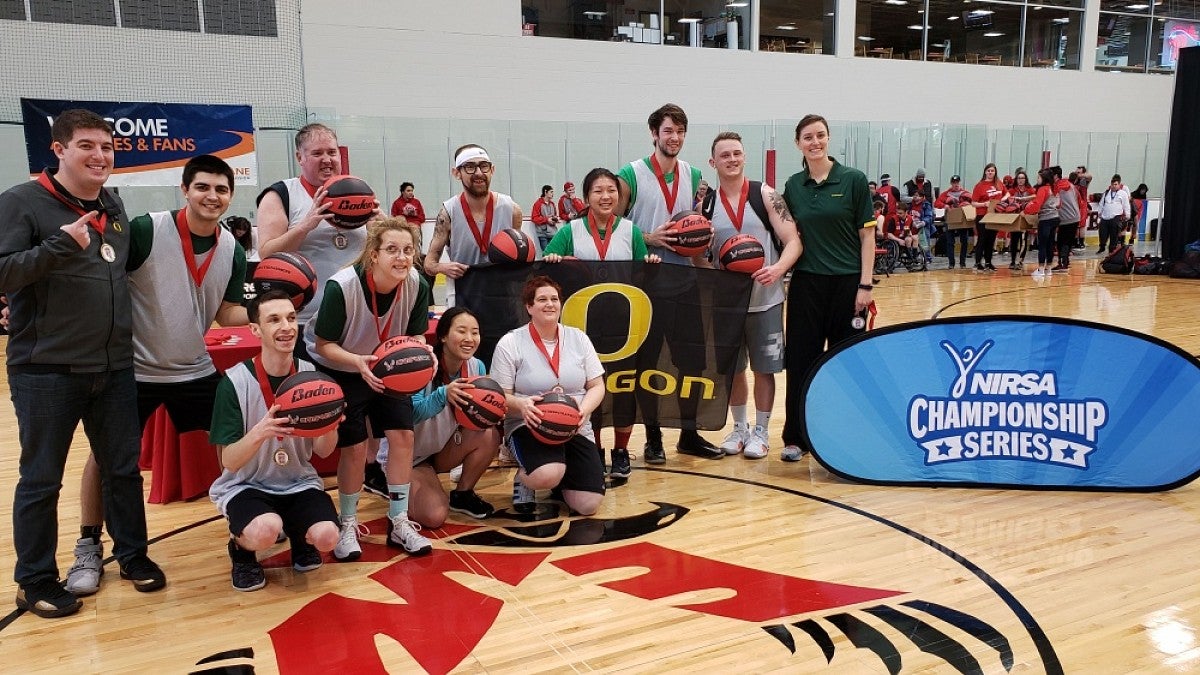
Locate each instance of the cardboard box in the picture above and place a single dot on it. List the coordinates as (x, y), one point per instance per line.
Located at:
(1004, 222)
(1031, 221)
(960, 217)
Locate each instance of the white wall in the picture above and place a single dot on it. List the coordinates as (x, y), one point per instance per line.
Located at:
(467, 59)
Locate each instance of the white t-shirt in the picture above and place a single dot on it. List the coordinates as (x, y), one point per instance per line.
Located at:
(520, 367)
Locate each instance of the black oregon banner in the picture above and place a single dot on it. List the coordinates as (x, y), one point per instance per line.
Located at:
(666, 334)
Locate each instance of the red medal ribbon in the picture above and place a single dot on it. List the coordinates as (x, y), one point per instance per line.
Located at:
(381, 328)
(741, 209)
(537, 341)
(265, 384)
(97, 224)
(601, 242)
(463, 372)
(668, 195)
(308, 187)
(481, 239)
(189, 253)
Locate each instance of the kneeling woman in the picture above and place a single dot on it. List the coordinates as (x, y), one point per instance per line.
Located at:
(441, 444)
(379, 297)
(535, 359)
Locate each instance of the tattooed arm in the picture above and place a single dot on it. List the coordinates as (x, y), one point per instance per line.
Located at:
(785, 229)
(437, 244)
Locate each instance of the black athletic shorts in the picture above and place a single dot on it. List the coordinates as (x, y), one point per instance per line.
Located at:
(299, 510)
(385, 412)
(190, 403)
(585, 472)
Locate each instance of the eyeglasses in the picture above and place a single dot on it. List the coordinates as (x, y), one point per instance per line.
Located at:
(396, 251)
(470, 169)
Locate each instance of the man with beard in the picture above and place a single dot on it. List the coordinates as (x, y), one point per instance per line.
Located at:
(467, 222)
(653, 189)
(292, 218)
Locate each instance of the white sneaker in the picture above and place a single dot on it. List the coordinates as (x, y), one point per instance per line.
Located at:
(791, 453)
(404, 533)
(84, 576)
(347, 548)
(757, 444)
(1038, 273)
(524, 499)
(736, 440)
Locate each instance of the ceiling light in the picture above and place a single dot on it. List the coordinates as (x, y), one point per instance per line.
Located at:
(828, 13)
(981, 12)
(992, 34)
(952, 18)
(865, 38)
(920, 11)
(895, 2)
(737, 4)
(594, 15)
(1061, 20)
(689, 21)
(785, 27)
(1137, 8)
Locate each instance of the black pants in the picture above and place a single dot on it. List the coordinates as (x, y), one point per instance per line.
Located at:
(820, 309)
(1066, 239)
(985, 243)
(1110, 233)
(963, 237)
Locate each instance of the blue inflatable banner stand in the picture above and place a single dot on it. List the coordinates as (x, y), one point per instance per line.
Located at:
(1006, 401)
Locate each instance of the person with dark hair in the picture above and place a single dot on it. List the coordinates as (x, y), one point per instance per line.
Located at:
(654, 189)
(1045, 205)
(70, 356)
(1071, 209)
(537, 358)
(918, 184)
(407, 205)
(379, 297)
(831, 285)
(243, 233)
(955, 195)
(545, 216)
(569, 205)
(1114, 211)
(440, 443)
(600, 234)
(1018, 240)
(268, 485)
(988, 189)
(173, 306)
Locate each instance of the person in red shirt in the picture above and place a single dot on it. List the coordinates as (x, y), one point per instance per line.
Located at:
(1045, 206)
(987, 189)
(569, 206)
(1023, 193)
(955, 195)
(408, 206)
(545, 216)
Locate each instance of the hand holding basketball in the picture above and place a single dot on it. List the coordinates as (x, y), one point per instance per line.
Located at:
(271, 426)
(79, 229)
(529, 410)
(317, 214)
(363, 362)
(662, 237)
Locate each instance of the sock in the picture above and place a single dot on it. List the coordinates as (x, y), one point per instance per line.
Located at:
(739, 414)
(596, 436)
(621, 439)
(92, 532)
(762, 419)
(654, 433)
(397, 499)
(347, 504)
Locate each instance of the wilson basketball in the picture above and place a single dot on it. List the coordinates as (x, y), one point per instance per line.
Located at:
(486, 407)
(287, 272)
(511, 246)
(742, 253)
(404, 365)
(560, 419)
(693, 233)
(350, 200)
(312, 402)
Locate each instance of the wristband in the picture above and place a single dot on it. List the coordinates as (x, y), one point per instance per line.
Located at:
(865, 287)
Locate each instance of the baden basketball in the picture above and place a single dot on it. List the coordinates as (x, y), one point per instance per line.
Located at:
(742, 253)
(350, 200)
(693, 233)
(312, 402)
(287, 272)
(511, 246)
(404, 365)
(486, 407)
(560, 419)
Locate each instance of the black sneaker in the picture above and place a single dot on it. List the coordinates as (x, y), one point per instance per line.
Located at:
(989, 267)
(47, 599)
(620, 463)
(978, 267)
(247, 574)
(145, 575)
(375, 481)
(653, 452)
(470, 503)
(692, 443)
(305, 556)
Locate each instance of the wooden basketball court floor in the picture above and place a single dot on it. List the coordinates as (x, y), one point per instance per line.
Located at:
(733, 565)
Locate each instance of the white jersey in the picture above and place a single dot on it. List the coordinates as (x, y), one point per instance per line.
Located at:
(328, 248)
(462, 246)
(360, 334)
(518, 365)
(620, 240)
(650, 209)
(761, 297)
(170, 314)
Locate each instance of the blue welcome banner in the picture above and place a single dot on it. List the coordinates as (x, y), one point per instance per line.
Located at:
(1007, 401)
(152, 141)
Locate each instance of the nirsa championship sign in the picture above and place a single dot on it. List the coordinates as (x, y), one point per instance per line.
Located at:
(1007, 401)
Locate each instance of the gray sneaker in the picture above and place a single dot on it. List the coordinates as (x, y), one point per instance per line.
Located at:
(791, 453)
(84, 576)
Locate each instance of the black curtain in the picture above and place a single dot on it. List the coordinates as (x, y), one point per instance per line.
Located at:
(1181, 198)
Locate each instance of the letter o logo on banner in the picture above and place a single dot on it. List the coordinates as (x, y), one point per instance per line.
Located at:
(575, 313)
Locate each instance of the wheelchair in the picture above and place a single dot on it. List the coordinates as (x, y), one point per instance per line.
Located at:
(890, 254)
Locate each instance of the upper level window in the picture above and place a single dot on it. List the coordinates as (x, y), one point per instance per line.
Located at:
(1136, 36)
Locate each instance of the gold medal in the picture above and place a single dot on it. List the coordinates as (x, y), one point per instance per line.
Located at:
(282, 457)
(108, 253)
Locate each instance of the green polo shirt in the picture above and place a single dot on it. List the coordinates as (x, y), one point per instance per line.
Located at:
(829, 216)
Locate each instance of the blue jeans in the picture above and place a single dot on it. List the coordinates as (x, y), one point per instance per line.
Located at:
(49, 407)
